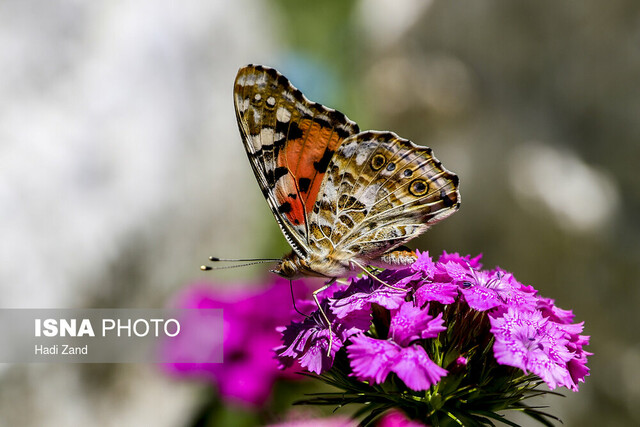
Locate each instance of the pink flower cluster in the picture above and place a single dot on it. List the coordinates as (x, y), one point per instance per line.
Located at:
(388, 329)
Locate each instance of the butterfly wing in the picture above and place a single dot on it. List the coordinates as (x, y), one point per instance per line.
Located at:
(289, 141)
(380, 191)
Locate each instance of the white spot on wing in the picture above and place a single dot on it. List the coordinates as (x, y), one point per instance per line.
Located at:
(321, 221)
(349, 149)
(243, 105)
(304, 109)
(288, 97)
(283, 115)
(369, 195)
(266, 135)
(362, 157)
(330, 190)
(254, 143)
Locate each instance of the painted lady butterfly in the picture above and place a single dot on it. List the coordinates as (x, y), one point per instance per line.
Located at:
(344, 199)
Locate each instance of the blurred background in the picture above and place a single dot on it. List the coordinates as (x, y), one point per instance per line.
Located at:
(122, 169)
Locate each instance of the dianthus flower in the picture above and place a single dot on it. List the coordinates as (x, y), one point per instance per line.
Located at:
(250, 316)
(439, 340)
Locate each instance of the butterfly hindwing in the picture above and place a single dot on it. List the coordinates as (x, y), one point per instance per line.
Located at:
(379, 192)
(290, 142)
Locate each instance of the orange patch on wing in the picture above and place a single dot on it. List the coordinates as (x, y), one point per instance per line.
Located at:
(306, 158)
(330, 141)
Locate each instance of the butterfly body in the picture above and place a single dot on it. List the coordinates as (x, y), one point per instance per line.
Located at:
(337, 265)
(292, 266)
(342, 198)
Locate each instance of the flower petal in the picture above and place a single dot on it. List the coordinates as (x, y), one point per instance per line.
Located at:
(371, 359)
(416, 370)
(410, 323)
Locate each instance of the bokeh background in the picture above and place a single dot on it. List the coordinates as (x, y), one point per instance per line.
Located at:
(121, 166)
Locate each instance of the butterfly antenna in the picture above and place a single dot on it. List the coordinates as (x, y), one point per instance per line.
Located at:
(246, 262)
(216, 259)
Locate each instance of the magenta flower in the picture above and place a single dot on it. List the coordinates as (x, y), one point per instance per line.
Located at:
(454, 342)
(424, 264)
(397, 419)
(432, 282)
(362, 293)
(466, 260)
(578, 368)
(308, 341)
(479, 290)
(250, 316)
(373, 359)
(444, 293)
(531, 342)
(461, 361)
(578, 365)
(410, 323)
(311, 421)
(416, 369)
(548, 308)
(484, 290)
(433, 272)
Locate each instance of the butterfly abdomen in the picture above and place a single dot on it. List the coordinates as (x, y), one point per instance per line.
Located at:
(394, 259)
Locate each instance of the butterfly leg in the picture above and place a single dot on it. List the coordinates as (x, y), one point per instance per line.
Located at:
(373, 276)
(293, 299)
(324, 315)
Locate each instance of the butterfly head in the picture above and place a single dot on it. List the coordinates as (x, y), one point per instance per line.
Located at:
(291, 266)
(285, 268)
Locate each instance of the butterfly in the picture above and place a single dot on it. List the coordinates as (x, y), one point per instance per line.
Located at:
(344, 199)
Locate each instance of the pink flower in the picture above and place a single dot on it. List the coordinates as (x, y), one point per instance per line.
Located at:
(397, 419)
(529, 341)
(484, 290)
(250, 318)
(308, 341)
(444, 293)
(384, 330)
(310, 421)
(424, 264)
(365, 291)
(373, 359)
(549, 309)
(410, 323)
(466, 260)
(433, 347)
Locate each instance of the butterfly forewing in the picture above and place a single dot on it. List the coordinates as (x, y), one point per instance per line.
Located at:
(290, 142)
